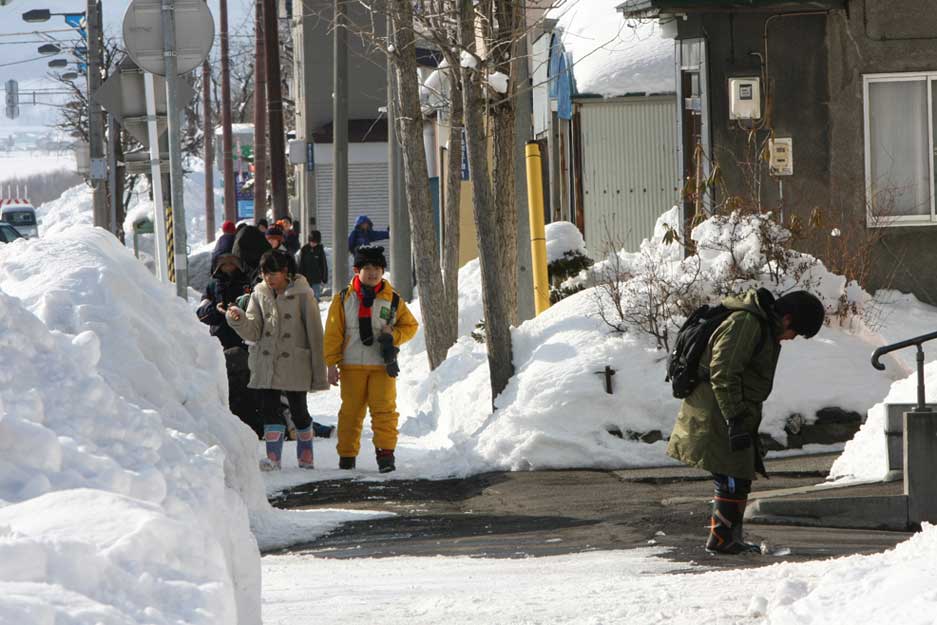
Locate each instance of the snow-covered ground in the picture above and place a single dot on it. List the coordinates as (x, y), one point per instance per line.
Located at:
(604, 587)
(130, 494)
(15, 165)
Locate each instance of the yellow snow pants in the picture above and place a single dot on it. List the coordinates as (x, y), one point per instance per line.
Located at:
(367, 389)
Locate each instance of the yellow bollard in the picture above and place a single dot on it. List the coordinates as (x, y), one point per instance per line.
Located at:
(538, 238)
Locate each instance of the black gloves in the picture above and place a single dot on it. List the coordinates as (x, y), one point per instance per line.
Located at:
(739, 437)
(389, 353)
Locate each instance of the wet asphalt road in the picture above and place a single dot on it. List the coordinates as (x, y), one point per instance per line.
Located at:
(540, 513)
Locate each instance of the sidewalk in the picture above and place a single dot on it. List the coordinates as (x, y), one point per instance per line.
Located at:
(557, 512)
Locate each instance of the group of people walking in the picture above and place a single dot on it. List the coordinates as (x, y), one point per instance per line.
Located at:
(263, 301)
(274, 308)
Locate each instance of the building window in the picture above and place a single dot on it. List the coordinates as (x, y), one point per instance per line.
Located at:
(899, 148)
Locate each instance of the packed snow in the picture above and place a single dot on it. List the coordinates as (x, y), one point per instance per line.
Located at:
(628, 586)
(612, 56)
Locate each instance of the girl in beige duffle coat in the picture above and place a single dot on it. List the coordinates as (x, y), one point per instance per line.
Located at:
(283, 324)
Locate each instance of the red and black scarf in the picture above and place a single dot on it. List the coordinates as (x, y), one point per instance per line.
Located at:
(366, 296)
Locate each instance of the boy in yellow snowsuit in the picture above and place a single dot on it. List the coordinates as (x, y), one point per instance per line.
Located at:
(367, 323)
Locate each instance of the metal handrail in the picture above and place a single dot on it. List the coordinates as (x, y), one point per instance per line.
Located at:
(917, 342)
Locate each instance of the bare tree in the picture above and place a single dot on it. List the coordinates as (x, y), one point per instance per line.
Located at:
(495, 283)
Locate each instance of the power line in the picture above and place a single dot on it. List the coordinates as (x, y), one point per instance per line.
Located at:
(38, 58)
(36, 32)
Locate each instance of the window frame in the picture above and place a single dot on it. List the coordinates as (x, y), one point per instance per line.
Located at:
(929, 78)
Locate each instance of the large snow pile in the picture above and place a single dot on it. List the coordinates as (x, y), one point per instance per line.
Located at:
(72, 208)
(126, 482)
(612, 56)
(555, 411)
(194, 201)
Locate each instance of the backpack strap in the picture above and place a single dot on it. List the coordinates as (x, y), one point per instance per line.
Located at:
(394, 304)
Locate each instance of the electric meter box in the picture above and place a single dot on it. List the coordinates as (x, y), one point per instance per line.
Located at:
(745, 98)
(781, 156)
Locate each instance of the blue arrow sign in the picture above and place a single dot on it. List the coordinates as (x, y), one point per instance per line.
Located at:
(77, 21)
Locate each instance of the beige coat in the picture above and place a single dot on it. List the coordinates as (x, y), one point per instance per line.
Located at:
(286, 333)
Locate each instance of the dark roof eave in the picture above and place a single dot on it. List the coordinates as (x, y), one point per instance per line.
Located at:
(653, 8)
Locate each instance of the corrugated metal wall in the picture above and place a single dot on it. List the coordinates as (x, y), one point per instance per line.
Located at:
(628, 168)
(367, 195)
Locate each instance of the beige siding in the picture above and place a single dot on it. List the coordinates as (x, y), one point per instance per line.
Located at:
(629, 171)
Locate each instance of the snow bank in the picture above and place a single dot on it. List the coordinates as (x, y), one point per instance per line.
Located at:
(72, 208)
(555, 412)
(892, 587)
(113, 408)
(612, 56)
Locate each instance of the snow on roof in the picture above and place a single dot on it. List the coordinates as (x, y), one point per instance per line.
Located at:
(612, 56)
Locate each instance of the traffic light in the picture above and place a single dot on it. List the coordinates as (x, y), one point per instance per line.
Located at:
(13, 99)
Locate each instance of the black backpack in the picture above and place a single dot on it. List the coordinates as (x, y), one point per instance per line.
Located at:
(684, 359)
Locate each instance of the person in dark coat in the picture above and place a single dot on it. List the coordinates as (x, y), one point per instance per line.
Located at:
(290, 234)
(364, 234)
(717, 426)
(225, 242)
(228, 283)
(249, 245)
(313, 263)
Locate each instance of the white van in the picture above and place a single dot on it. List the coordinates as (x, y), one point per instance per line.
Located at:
(21, 215)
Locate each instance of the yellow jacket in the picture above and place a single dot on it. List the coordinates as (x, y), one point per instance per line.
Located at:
(342, 342)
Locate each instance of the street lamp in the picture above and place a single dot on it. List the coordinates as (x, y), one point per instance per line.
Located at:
(49, 48)
(58, 63)
(43, 15)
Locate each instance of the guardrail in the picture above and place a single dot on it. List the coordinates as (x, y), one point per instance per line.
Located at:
(917, 341)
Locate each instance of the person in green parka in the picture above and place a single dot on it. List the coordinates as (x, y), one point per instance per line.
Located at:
(717, 426)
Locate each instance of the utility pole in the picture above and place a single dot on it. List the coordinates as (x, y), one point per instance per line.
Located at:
(339, 147)
(230, 201)
(180, 244)
(523, 126)
(303, 64)
(275, 111)
(113, 138)
(95, 116)
(260, 112)
(400, 253)
(209, 135)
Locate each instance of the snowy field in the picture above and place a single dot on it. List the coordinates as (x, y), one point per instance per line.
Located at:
(129, 494)
(20, 165)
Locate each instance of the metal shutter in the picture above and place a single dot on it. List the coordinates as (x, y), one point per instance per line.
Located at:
(628, 169)
(367, 195)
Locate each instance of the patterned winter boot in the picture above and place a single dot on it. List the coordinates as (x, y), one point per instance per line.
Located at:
(304, 448)
(725, 528)
(385, 460)
(273, 435)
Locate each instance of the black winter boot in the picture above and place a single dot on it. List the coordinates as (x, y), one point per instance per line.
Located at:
(346, 462)
(725, 529)
(385, 460)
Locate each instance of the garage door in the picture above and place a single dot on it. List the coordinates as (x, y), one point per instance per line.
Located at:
(367, 195)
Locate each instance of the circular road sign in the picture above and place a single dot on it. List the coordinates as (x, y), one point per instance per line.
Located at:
(143, 34)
